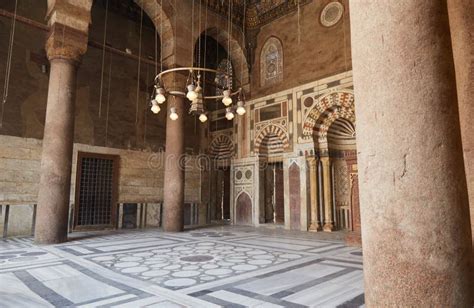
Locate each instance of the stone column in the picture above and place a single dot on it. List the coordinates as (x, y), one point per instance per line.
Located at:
(64, 48)
(413, 195)
(327, 194)
(313, 185)
(205, 165)
(462, 38)
(173, 203)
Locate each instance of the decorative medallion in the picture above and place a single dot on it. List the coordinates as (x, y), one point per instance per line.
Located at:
(331, 14)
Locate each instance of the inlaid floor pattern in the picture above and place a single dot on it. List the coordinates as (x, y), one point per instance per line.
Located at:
(211, 267)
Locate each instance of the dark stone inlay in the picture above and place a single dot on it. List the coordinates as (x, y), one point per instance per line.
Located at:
(43, 291)
(12, 252)
(32, 254)
(311, 283)
(220, 302)
(308, 91)
(197, 258)
(23, 259)
(333, 83)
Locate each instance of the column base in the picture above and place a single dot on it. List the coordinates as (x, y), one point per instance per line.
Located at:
(328, 227)
(314, 227)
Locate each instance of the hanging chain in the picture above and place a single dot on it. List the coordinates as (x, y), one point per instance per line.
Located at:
(199, 33)
(299, 22)
(145, 109)
(175, 41)
(192, 35)
(344, 36)
(108, 101)
(243, 44)
(9, 65)
(139, 67)
(103, 57)
(205, 47)
(161, 37)
(229, 33)
(156, 41)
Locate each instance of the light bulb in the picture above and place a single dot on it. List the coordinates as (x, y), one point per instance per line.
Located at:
(154, 107)
(173, 115)
(191, 95)
(240, 108)
(226, 100)
(203, 118)
(229, 114)
(160, 96)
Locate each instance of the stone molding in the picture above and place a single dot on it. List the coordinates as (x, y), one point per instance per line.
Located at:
(66, 43)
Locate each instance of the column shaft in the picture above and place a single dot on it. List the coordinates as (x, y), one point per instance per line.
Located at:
(327, 191)
(56, 158)
(462, 38)
(173, 205)
(414, 204)
(313, 180)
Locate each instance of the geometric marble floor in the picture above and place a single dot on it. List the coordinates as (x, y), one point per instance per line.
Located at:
(211, 267)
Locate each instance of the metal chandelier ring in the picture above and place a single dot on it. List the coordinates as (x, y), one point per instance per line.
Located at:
(190, 70)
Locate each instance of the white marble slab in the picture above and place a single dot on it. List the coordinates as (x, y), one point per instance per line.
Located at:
(322, 294)
(14, 293)
(241, 299)
(287, 280)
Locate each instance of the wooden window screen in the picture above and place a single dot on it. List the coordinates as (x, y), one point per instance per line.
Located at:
(96, 190)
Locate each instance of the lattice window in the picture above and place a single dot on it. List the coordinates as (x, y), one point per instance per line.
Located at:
(224, 67)
(271, 62)
(96, 190)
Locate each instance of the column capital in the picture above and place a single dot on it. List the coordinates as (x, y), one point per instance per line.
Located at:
(175, 81)
(66, 43)
(324, 159)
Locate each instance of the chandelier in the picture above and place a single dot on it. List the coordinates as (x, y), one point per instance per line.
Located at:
(194, 91)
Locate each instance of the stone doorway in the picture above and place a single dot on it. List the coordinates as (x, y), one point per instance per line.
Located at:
(220, 209)
(274, 207)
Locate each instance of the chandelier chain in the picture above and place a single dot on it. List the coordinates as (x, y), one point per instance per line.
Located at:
(139, 67)
(103, 57)
(9, 63)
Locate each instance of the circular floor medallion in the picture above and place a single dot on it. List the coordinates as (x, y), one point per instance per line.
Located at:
(155, 273)
(180, 282)
(197, 258)
(218, 272)
(184, 274)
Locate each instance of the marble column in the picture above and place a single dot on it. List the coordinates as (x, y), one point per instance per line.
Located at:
(64, 47)
(413, 193)
(462, 38)
(327, 194)
(205, 165)
(173, 203)
(313, 185)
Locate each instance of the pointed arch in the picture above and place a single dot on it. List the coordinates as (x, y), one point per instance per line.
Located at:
(162, 23)
(221, 147)
(243, 209)
(272, 139)
(329, 107)
(271, 62)
(237, 51)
